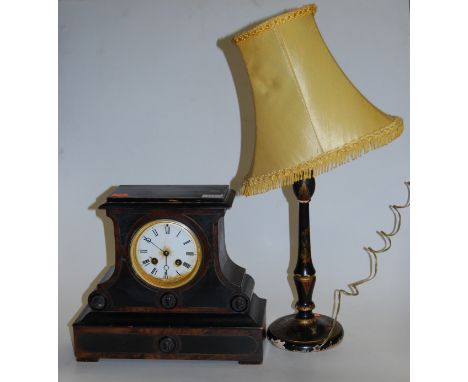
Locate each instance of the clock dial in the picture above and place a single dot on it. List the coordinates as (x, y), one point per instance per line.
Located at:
(165, 253)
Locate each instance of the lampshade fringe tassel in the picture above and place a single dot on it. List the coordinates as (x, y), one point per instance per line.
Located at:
(324, 162)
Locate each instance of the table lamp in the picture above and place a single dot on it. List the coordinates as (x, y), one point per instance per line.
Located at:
(310, 119)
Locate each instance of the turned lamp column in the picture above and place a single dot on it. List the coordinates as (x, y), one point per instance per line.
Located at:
(304, 273)
(304, 331)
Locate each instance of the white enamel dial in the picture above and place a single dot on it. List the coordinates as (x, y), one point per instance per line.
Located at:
(165, 253)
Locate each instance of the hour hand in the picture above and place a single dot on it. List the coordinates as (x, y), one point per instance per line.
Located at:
(166, 267)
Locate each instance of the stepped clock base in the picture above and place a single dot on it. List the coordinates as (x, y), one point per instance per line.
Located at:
(138, 337)
(238, 344)
(290, 333)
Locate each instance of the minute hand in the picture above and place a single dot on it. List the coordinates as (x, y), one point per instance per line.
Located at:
(149, 241)
(157, 247)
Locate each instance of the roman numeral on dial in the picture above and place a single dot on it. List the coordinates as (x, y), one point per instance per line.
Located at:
(186, 265)
(186, 242)
(155, 232)
(190, 253)
(153, 272)
(167, 229)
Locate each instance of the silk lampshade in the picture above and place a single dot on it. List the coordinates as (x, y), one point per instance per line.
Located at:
(310, 118)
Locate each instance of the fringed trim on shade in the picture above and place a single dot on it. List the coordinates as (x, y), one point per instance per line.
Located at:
(324, 162)
(274, 21)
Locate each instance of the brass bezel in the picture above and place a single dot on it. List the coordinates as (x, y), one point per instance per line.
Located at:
(152, 281)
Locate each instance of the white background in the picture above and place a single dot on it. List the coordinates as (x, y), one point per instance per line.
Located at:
(153, 93)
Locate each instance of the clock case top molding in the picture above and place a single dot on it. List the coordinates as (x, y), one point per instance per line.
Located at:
(219, 296)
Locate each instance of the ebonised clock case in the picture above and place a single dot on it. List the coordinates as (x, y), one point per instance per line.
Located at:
(214, 316)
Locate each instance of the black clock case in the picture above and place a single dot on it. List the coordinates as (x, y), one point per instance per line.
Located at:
(215, 316)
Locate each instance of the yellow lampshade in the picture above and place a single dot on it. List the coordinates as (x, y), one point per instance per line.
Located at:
(310, 118)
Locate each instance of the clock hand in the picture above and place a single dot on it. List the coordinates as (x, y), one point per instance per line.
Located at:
(157, 247)
(148, 240)
(165, 267)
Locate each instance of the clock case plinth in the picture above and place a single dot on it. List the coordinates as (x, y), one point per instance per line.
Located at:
(214, 316)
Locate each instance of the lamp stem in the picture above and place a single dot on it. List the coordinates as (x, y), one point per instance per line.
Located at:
(304, 331)
(304, 272)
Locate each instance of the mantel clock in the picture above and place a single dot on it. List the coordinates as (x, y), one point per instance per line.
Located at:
(173, 292)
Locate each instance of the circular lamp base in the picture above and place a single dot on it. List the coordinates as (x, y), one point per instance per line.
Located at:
(293, 334)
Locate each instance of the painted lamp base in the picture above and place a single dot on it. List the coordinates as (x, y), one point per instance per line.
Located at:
(293, 334)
